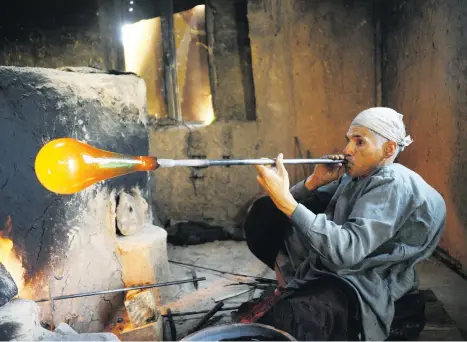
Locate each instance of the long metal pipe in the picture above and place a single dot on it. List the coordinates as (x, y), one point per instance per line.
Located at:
(96, 293)
(66, 165)
(164, 163)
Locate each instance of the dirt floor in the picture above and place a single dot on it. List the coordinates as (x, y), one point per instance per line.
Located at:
(234, 257)
(227, 256)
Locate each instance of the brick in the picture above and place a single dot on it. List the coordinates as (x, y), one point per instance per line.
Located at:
(144, 260)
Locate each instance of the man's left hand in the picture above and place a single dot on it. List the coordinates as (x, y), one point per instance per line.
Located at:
(277, 184)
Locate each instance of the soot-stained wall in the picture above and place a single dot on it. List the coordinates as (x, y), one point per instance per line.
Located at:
(54, 34)
(313, 70)
(425, 78)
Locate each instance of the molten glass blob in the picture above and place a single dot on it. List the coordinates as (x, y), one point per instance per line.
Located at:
(66, 166)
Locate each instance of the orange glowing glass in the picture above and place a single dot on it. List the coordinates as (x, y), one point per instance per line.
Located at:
(66, 166)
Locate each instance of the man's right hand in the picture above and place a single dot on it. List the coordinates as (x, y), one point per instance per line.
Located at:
(325, 173)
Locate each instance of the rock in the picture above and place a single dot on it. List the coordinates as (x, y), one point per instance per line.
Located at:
(64, 329)
(141, 307)
(148, 332)
(43, 334)
(83, 337)
(8, 288)
(130, 217)
(19, 320)
(66, 333)
(86, 70)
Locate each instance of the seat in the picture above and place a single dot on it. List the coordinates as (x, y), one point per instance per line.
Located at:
(409, 317)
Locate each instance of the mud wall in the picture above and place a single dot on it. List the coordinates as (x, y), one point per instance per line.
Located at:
(313, 70)
(51, 34)
(424, 77)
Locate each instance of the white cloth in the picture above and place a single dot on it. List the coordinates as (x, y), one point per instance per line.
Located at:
(386, 122)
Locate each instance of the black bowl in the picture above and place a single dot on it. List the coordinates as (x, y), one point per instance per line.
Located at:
(240, 332)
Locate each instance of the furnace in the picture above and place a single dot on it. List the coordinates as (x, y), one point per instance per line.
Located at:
(101, 238)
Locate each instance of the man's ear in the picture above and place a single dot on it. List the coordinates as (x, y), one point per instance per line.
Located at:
(390, 148)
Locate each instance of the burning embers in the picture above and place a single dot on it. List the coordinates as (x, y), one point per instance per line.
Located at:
(9, 259)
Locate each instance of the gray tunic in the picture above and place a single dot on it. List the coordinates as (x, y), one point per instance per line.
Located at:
(371, 234)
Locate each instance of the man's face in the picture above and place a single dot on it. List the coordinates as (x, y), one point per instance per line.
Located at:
(364, 151)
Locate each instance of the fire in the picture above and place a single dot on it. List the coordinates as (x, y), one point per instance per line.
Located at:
(9, 258)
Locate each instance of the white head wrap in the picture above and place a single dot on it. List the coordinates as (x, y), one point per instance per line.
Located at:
(386, 122)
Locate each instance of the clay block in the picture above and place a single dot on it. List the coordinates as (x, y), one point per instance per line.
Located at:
(141, 307)
(143, 257)
(149, 332)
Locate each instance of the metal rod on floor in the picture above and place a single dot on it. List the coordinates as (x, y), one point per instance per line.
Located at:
(96, 293)
(206, 317)
(233, 295)
(190, 313)
(266, 280)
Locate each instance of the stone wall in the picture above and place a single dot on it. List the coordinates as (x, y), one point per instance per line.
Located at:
(425, 78)
(313, 70)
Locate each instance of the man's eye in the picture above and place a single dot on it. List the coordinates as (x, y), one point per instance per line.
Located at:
(360, 142)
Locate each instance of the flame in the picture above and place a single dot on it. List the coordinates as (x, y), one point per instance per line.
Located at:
(9, 258)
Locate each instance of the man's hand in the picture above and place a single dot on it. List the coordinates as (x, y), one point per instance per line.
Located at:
(325, 173)
(277, 184)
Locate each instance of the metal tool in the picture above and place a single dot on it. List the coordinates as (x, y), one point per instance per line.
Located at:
(193, 275)
(233, 295)
(173, 328)
(51, 299)
(66, 166)
(96, 293)
(191, 313)
(256, 285)
(206, 317)
(52, 305)
(164, 163)
(257, 278)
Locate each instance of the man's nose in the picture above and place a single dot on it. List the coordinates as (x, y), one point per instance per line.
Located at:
(348, 150)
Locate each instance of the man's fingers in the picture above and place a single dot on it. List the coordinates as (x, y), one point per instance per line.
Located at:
(334, 156)
(267, 165)
(261, 169)
(261, 182)
(280, 164)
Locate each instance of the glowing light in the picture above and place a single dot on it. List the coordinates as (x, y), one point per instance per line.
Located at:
(71, 165)
(128, 34)
(9, 258)
(209, 116)
(199, 8)
(131, 2)
(131, 9)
